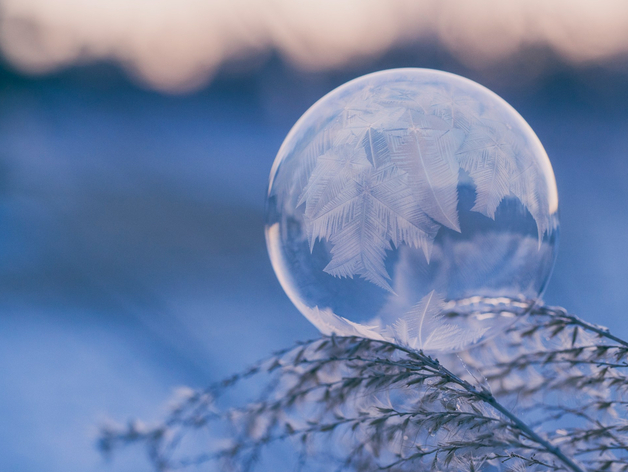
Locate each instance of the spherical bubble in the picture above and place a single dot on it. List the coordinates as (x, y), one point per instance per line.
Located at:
(413, 206)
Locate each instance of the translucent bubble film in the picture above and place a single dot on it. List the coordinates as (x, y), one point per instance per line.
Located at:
(414, 206)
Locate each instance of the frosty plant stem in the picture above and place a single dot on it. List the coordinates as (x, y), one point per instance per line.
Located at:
(487, 397)
(555, 391)
(561, 315)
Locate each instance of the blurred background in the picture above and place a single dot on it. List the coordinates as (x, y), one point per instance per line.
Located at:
(136, 138)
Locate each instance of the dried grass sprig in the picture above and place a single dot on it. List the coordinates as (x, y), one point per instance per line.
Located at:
(546, 396)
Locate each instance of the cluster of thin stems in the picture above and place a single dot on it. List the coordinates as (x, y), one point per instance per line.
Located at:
(549, 395)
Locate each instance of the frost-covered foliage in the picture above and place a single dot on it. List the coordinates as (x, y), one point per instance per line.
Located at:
(549, 395)
(385, 170)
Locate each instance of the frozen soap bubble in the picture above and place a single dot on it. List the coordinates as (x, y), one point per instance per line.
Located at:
(414, 206)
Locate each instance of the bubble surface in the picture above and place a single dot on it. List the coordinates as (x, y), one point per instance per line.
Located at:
(413, 206)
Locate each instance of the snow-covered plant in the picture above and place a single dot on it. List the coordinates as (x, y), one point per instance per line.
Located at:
(548, 395)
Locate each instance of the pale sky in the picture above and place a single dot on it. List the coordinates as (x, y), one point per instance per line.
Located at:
(177, 45)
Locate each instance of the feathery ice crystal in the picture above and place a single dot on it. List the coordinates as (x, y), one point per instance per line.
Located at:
(408, 194)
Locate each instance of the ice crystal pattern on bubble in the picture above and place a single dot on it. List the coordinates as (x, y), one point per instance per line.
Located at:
(385, 172)
(424, 328)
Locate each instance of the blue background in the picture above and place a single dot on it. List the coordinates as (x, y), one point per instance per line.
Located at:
(132, 255)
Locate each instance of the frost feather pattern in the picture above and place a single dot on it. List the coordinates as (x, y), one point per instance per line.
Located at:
(373, 210)
(384, 172)
(426, 154)
(424, 327)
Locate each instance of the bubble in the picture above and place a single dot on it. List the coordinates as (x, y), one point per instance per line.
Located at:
(413, 206)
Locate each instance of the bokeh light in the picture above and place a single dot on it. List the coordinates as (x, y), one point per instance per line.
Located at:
(178, 46)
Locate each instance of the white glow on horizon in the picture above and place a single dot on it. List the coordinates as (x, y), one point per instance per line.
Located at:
(176, 46)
